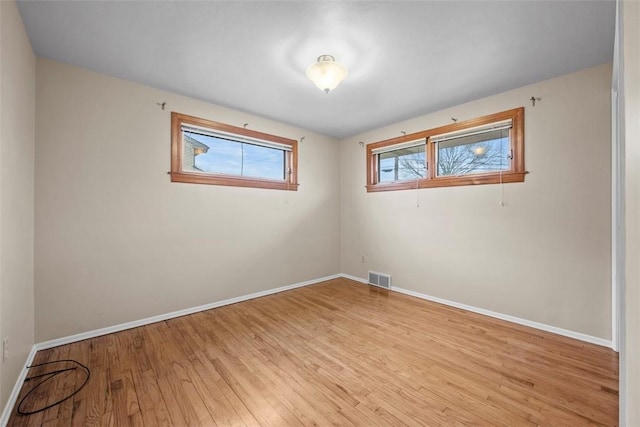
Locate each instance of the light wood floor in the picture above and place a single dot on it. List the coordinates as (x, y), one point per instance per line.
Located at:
(335, 353)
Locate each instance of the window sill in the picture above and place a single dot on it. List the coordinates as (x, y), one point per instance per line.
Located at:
(450, 181)
(233, 182)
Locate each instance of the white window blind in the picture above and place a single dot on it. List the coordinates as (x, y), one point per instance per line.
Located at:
(235, 137)
(478, 132)
(401, 146)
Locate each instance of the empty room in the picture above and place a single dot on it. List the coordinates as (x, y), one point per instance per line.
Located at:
(350, 213)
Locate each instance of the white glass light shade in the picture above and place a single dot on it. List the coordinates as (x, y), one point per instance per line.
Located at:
(479, 150)
(326, 74)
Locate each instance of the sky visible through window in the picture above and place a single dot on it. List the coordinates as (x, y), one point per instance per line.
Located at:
(463, 158)
(455, 158)
(403, 164)
(237, 158)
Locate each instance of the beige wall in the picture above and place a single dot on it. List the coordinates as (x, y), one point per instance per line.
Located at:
(631, 18)
(116, 241)
(544, 257)
(17, 116)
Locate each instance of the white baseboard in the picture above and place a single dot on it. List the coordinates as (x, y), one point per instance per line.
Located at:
(354, 278)
(508, 318)
(136, 323)
(13, 397)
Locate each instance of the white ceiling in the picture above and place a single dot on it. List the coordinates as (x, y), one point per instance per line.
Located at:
(404, 58)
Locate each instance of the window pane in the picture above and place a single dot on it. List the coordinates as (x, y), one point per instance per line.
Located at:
(486, 152)
(207, 154)
(402, 165)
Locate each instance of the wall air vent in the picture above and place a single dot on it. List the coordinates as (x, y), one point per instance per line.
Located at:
(380, 279)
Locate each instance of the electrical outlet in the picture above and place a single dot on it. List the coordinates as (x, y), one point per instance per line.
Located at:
(5, 349)
(362, 260)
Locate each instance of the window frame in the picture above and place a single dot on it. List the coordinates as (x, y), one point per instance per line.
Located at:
(179, 175)
(516, 172)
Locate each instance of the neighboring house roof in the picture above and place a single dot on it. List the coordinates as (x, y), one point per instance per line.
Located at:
(195, 149)
(196, 144)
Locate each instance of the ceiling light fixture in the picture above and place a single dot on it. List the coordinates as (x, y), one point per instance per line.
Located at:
(479, 150)
(326, 74)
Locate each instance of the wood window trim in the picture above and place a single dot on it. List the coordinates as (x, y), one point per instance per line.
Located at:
(515, 174)
(178, 175)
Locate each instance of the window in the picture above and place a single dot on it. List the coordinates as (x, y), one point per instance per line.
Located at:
(207, 152)
(402, 162)
(486, 150)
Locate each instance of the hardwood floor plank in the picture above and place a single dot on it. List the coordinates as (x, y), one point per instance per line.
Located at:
(334, 353)
(204, 379)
